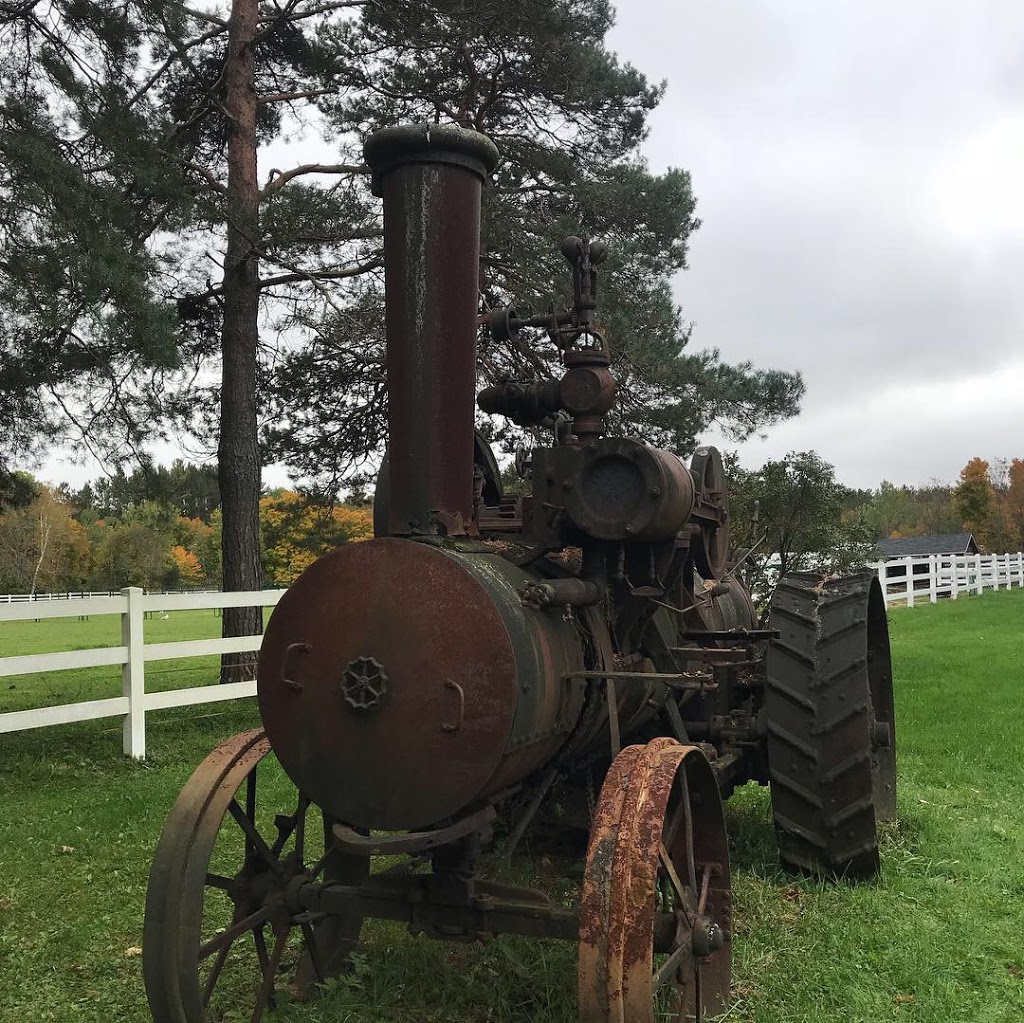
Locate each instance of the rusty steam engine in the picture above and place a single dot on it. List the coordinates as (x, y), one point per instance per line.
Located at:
(488, 661)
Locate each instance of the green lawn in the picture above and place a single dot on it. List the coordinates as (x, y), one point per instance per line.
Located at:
(939, 937)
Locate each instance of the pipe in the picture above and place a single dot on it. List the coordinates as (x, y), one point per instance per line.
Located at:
(431, 180)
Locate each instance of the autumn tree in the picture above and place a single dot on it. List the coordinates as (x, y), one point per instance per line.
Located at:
(974, 499)
(1013, 503)
(42, 547)
(295, 531)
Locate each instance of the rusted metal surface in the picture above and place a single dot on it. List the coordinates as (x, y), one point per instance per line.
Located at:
(474, 682)
(351, 841)
(430, 178)
(619, 489)
(657, 846)
(492, 909)
(561, 593)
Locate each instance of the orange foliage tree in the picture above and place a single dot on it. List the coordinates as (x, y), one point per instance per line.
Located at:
(295, 532)
(990, 501)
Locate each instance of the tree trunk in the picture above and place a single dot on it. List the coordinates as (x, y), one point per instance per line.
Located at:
(238, 452)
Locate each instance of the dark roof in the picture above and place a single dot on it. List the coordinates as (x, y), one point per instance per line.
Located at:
(918, 546)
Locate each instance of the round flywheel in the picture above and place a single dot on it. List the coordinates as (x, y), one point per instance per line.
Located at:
(711, 545)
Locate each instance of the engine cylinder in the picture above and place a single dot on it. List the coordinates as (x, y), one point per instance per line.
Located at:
(623, 489)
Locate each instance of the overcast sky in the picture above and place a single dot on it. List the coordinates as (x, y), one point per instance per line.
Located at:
(859, 171)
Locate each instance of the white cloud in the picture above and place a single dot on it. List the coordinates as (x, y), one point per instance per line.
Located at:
(859, 170)
(978, 194)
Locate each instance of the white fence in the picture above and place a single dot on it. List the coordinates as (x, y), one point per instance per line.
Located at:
(21, 598)
(907, 580)
(133, 654)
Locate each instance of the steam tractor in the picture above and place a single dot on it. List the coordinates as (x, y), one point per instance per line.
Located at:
(486, 660)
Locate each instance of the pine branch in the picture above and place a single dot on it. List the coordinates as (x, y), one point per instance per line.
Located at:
(206, 16)
(282, 97)
(180, 47)
(283, 177)
(215, 183)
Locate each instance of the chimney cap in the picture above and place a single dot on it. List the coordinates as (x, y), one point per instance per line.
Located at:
(402, 144)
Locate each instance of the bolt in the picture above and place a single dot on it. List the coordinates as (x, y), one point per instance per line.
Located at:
(567, 484)
(655, 491)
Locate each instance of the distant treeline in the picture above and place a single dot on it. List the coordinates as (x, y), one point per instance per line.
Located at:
(156, 527)
(160, 527)
(987, 500)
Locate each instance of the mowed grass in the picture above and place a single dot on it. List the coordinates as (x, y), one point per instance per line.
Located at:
(938, 937)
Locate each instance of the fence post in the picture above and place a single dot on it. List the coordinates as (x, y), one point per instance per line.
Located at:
(933, 578)
(880, 567)
(132, 675)
(954, 573)
(909, 580)
(978, 584)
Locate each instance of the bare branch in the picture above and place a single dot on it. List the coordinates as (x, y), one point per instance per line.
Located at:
(322, 275)
(282, 97)
(312, 12)
(206, 16)
(308, 276)
(283, 177)
(215, 183)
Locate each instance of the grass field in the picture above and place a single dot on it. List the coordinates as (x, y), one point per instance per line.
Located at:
(939, 937)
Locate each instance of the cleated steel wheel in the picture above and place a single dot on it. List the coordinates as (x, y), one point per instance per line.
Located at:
(831, 728)
(220, 938)
(655, 927)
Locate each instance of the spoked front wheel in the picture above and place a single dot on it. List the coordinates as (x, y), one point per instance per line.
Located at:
(220, 934)
(655, 911)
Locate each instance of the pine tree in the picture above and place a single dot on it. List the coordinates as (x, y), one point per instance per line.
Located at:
(569, 119)
(153, 273)
(130, 146)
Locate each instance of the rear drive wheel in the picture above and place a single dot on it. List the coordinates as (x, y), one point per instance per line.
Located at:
(831, 728)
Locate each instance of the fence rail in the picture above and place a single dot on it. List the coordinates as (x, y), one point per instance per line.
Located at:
(132, 655)
(909, 580)
(22, 598)
(904, 580)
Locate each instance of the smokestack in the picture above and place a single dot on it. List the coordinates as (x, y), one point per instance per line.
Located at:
(431, 179)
